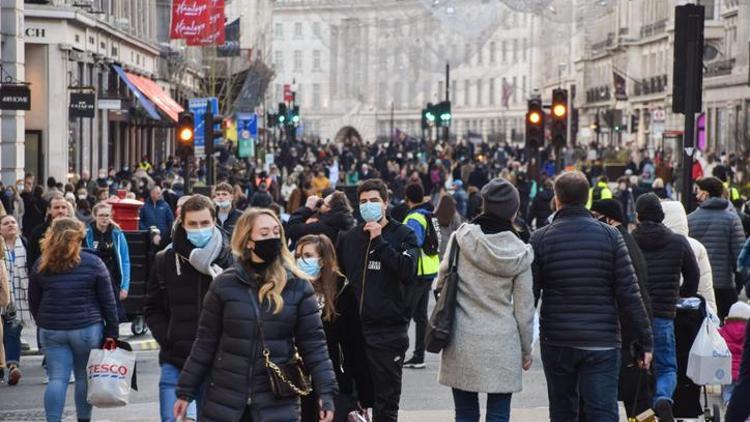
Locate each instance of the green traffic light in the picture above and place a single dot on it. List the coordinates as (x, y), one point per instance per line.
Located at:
(430, 116)
(445, 116)
(282, 118)
(295, 119)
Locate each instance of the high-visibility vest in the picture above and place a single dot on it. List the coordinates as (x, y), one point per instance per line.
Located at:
(734, 194)
(427, 265)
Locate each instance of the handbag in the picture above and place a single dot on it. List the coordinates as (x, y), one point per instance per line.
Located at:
(440, 326)
(290, 379)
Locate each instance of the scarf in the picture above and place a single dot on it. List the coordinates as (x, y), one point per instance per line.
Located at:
(199, 258)
(15, 264)
(493, 225)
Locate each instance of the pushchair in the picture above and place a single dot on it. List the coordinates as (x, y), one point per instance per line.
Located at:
(687, 395)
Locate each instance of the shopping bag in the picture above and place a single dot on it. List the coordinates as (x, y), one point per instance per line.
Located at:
(109, 374)
(710, 361)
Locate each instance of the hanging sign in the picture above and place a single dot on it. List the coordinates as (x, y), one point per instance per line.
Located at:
(82, 105)
(15, 97)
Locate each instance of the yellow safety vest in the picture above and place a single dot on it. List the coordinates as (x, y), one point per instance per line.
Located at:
(428, 264)
(734, 194)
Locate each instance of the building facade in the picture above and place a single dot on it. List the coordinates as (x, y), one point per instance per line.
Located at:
(374, 65)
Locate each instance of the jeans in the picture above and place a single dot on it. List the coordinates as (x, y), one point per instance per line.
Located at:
(665, 359)
(12, 341)
(168, 395)
(66, 351)
(386, 367)
(467, 406)
(593, 374)
(419, 313)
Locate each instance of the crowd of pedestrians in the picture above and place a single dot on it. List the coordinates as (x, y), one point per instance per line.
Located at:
(289, 288)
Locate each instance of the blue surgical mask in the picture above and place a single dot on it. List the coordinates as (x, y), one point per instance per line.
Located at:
(199, 237)
(371, 211)
(310, 266)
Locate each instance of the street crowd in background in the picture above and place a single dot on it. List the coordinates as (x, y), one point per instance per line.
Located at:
(325, 252)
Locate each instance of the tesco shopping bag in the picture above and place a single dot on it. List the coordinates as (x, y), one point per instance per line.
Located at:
(710, 361)
(109, 375)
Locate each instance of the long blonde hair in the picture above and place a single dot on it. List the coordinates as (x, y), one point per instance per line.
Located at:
(276, 276)
(61, 246)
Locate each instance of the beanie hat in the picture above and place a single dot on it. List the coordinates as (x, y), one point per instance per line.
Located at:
(740, 310)
(648, 207)
(610, 208)
(500, 199)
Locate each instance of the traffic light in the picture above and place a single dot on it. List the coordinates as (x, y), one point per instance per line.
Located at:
(443, 113)
(294, 117)
(429, 114)
(535, 124)
(185, 134)
(559, 127)
(212, 130)
(281, 115)
(270, 119)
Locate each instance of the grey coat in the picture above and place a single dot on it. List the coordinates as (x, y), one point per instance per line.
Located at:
(492, 331)
(718, 227)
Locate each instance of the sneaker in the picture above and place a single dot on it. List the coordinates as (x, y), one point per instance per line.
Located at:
(663, 410)
(14, 375)
(415, 363)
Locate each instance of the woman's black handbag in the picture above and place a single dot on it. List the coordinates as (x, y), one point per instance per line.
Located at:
(440, 326)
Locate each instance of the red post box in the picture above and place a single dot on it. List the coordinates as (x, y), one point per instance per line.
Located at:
(126, 213)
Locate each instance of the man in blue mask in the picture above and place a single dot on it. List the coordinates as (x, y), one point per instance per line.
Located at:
(180, 278)
(379, 258)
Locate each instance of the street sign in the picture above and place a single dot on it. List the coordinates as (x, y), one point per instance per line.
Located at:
(247, 133)
(658, 115)
(15, 97)
(82, 105)
(109, 104)
(199, 106)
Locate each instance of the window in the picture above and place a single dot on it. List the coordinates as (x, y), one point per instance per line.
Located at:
(426, 97)
(515, 50)
(466, 92)
(454, 90)
(523, 49)
(297, 60)
(278, 32)
(515, 91)
(505, 51)
(278, 93)
(397, 88)
(492, 91)
(316, 29)
(316, 60)
(278, 60)
(298, 30)
(523, 86)
(479, 92)
(493, 54)
(480, 59)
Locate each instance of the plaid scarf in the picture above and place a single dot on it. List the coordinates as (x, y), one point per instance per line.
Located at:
(18, 280)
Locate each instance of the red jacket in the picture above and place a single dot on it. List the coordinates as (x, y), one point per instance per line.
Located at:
(733, 333)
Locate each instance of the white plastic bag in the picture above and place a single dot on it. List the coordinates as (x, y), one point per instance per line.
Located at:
(109, 375)
(710, 361)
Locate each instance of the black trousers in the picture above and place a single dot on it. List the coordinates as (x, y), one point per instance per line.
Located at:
(725, 298)
(386, 366)
(420, 300)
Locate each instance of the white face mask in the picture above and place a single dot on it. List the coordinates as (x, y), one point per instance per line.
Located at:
(223, 204)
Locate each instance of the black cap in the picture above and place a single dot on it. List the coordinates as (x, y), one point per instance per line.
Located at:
(648, 207)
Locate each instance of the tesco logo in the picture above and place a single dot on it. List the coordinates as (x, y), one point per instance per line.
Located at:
(106, 369)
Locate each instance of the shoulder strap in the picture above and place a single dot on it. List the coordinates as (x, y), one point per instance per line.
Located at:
(258, 317)
(453, 266)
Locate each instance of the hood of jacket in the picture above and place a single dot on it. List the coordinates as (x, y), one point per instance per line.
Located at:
(675, 217)
(715, 204)
(651, 236)
(340, 219)
(733, 331)
(502, 254)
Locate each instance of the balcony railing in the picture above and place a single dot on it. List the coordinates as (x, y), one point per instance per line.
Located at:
(650, 85)
(719, 68)
(654, 28)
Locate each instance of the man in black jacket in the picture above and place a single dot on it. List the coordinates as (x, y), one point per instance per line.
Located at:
(226, 214)
(379, 259)
(667, 255)
(179, 281)
(57, 207)
(584, 275)
(610, 211)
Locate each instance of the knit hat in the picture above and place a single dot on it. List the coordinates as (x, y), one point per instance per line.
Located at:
(648, 208)
(500, 199)
(740, 310)
(610, 208)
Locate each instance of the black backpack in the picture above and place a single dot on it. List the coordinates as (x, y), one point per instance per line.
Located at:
(431, 244)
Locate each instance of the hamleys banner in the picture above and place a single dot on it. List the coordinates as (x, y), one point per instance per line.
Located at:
(214, 33)
(190, 18)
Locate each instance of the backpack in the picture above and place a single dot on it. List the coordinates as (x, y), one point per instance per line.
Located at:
(431, 243)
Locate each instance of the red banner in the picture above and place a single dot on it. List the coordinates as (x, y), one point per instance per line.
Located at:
(190, 18)
(288, 97)
(213, 33)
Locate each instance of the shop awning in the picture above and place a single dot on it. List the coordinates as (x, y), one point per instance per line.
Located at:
(157, 95)
(142, 99)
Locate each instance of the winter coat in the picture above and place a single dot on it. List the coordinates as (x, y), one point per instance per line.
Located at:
(676, 220)
(667, 255)
(630, 332)
(174, 300)
(733, 333)
(121, 251)
(446, 232)
(381, 271)
(34, 251)
(495, 301)
(541, 208)
(74, 299)
(228, 351)
(719, 229)
(330, 224)
(583, 273)
(227, 227)
(156, 214)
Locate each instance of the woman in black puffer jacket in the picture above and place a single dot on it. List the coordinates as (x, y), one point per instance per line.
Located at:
(228, 352)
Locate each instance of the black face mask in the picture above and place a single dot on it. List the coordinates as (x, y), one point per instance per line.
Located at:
(268, 249)
(603, 219)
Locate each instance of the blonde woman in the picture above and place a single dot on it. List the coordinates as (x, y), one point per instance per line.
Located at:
(71, 299)
(262, 311)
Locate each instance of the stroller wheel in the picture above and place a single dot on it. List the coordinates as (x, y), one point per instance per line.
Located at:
(138, 327)
(716, 413)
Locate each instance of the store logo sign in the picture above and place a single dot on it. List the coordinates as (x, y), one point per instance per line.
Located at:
(15, 97)
(82, 105)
